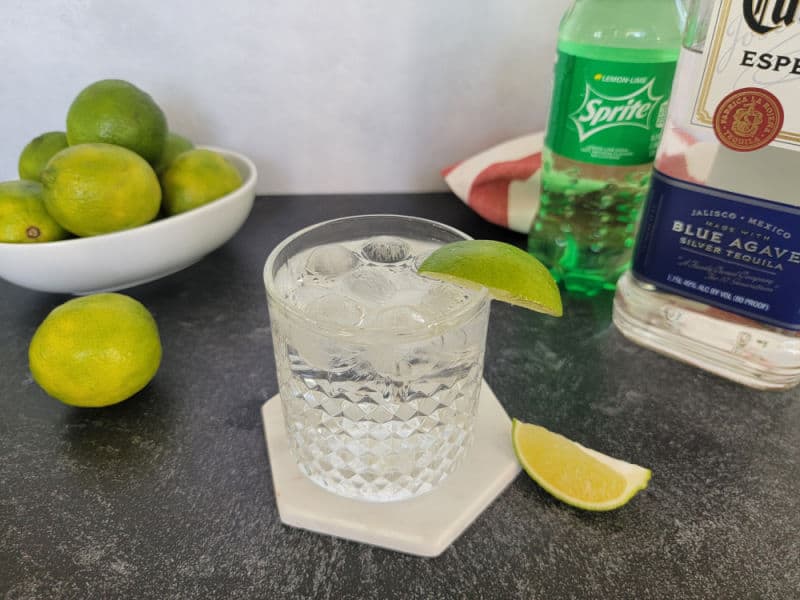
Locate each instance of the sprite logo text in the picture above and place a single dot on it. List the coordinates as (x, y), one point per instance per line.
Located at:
(599, 112)
(608, 112)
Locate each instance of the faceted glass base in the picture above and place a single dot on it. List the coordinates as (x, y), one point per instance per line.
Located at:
(423, 526)
(740, 349)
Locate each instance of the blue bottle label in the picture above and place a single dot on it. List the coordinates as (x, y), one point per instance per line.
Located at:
(735, 252)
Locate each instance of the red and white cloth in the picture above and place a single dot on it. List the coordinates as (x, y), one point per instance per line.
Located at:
(502, 183)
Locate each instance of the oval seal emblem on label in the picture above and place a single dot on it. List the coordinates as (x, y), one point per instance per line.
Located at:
(748, 119)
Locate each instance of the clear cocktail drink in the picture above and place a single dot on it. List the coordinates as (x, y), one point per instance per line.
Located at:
(379, 368)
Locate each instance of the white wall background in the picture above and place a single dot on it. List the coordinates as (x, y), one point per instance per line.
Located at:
(324, 95)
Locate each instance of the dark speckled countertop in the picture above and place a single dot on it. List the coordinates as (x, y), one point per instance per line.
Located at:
(169, 494)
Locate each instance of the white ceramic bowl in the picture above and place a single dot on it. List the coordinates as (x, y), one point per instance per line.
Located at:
(126, 258)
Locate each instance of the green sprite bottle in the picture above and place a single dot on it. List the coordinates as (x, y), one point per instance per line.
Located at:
(613, 76)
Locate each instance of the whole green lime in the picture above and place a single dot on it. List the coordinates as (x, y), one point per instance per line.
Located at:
(195, 178)
(95, 350)
(38, 151)
(23, 217)
(92, 189)
(113, 111)
(176, 144)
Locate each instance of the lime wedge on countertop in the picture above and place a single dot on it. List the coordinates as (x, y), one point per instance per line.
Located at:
(575, 475)
(509, 273)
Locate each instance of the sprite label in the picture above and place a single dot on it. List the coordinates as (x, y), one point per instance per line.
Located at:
(608, 112)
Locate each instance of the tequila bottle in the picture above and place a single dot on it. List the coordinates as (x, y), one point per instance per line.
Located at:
(715, 279)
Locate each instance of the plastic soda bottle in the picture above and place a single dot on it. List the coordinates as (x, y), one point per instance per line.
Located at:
(613, 75)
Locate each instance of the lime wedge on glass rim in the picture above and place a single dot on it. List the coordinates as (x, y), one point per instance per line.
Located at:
(509, 273)
(578, 476)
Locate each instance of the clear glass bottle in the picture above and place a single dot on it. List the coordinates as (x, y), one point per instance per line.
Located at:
(715, 280)
(613, 75)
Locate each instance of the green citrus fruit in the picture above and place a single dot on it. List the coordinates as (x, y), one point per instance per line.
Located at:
(176, 144)
(92, 189)
(510, 274)
(113, 111)
(95, 350)
(39, 150)
(195, 178)
(23, 217)
(576, 475)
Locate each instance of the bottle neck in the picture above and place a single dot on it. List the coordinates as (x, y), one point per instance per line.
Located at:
(622, 30)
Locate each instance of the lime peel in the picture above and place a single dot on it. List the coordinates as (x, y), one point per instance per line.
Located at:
(95, 350)
(574, 474)
(509, 274)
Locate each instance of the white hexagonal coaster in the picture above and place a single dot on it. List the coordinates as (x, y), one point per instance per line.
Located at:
(425, 525)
